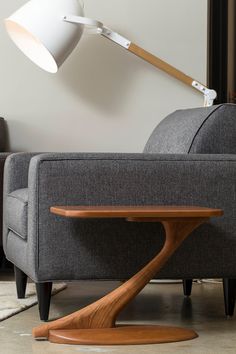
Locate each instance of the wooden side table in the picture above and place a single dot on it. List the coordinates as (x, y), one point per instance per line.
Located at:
(95, 324)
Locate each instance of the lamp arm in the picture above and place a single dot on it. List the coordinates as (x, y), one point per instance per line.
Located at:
(96, 26)
(209, 95)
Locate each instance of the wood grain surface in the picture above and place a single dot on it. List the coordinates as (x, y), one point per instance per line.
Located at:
(134, 211)
(95, 324)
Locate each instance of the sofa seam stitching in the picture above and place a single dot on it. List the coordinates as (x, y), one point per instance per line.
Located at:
(17, 233)
(193, 160)
(203, 123)
(17, 198)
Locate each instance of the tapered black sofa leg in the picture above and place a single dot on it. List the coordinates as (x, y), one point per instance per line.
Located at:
(21, 282)
(187, 286)
(44, 297)
(229, 286)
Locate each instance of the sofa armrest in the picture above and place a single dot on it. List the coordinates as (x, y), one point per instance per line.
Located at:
(16, 171)
(3, 156)
(121, 179)
(130, 178)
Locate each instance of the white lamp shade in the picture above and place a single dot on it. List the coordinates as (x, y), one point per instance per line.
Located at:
(39, 31)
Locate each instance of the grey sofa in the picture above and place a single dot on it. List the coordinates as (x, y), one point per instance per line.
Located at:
(3, 156)
(190, 159)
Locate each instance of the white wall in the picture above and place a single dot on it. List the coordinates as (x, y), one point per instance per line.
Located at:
(104, 98)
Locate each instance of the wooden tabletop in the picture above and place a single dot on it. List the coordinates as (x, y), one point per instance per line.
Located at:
(157, 211)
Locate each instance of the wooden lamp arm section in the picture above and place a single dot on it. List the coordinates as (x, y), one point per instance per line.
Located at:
(97, 26)
(160, 64)
(209, 95)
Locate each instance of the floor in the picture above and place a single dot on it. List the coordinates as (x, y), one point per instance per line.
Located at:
(157, 303)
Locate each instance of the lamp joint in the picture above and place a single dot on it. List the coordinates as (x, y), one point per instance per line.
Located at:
(116, 37)
(209, 94)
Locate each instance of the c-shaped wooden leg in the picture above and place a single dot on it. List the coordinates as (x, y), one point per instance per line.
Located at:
(95, 324)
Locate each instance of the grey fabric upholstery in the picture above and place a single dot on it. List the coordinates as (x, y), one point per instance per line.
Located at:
(69, 249)
(60, 249)
(17, 212)
(209, 130)
(3, 156)
(16, 171)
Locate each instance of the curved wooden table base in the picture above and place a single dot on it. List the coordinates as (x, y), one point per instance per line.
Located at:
(95, 324)
(127, 335)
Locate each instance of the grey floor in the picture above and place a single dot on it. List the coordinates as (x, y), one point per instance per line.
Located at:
(156, 304)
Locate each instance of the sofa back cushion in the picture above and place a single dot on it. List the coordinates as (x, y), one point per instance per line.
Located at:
(210, 130)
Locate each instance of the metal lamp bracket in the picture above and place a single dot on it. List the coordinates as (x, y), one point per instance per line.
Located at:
(93, 25)
(98, 28)
(116, 37)
(209, 95)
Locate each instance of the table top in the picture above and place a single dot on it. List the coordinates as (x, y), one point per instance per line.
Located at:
(157, 211)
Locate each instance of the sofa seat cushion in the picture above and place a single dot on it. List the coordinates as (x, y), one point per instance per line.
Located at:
(17, 212)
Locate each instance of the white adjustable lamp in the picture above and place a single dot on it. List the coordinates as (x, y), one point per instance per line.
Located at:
(47, 31)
